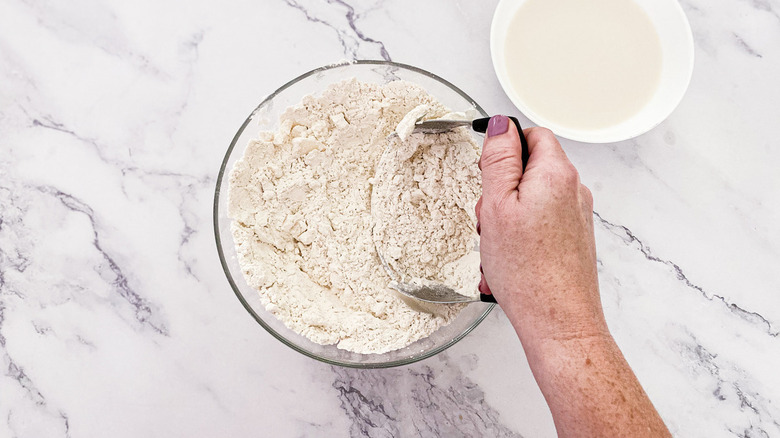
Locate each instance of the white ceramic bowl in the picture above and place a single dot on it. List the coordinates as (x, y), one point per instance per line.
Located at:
(676, 38)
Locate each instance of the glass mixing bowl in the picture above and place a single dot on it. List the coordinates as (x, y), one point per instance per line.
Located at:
(266, 117)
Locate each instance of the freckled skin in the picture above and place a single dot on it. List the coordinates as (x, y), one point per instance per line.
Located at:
(539, 260)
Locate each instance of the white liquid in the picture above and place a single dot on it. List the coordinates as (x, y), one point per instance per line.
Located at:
(583, 64)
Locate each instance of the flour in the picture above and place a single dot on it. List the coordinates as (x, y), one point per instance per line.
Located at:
(406, 125)
(422, 206)
(305, 199)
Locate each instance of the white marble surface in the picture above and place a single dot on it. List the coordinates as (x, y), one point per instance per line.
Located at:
(116, 318)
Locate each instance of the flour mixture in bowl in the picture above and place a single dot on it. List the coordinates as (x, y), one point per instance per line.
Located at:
(304, 221)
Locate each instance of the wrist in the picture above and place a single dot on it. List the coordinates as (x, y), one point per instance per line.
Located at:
(547, 322)
(568, 338)
(562, 357)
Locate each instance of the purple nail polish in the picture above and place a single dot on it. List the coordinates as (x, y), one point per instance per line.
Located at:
(497, 125)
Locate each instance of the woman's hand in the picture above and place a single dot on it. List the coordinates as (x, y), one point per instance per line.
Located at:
(537, 245)
(539, 260)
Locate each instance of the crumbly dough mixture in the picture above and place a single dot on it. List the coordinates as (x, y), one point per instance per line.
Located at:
(422, 205)
(312, 202)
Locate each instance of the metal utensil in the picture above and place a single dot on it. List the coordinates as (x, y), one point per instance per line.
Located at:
(438, 126)
(432, 293)
(439, 293)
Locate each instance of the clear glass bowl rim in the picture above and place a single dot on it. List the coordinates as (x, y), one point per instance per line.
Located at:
(223, 261)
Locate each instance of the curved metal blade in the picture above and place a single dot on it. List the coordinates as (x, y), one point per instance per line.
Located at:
(438, 126)
(436, 293)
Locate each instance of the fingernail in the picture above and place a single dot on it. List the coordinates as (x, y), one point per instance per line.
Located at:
(497, 125)
(479, 230)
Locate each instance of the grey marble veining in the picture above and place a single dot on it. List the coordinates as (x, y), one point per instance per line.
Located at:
(434, 399)
(116, 319)
(341, 18)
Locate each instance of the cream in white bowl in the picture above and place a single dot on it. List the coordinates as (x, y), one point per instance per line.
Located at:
(597, 71)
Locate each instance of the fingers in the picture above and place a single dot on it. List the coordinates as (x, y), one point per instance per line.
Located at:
(544, 149)
(586, 199)
(586, 203)
(501, 161)
(483, 286)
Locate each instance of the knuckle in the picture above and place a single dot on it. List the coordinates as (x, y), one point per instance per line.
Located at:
(563, 179)
(587, 196)
(568, 175)
(490, 157)
(563, 176)
(537, 134)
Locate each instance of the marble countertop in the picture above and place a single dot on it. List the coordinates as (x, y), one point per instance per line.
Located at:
(117, 320)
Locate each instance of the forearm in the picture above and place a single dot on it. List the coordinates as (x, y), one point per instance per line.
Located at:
(539, 259)
(591, 390)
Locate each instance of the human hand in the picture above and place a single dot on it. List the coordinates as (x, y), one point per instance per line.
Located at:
(537, 244)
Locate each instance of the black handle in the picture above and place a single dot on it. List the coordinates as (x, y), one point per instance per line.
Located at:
(480, 125)
(485, 298)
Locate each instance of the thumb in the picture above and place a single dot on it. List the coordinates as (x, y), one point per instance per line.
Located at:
(501, 161)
